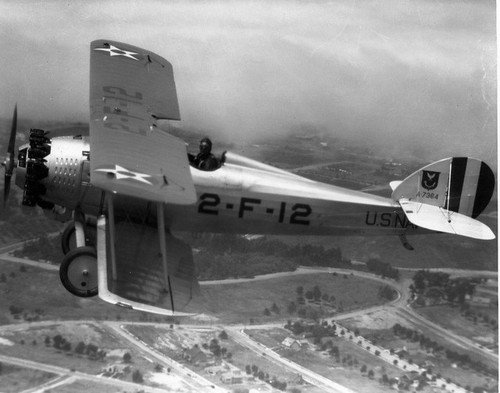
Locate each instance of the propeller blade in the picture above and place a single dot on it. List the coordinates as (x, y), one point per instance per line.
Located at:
(13, 131)
(9, 160)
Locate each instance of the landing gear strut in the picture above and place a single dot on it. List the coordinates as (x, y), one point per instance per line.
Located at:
(69, 236)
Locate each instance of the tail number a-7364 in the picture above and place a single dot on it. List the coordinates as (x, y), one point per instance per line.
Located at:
(297, 213)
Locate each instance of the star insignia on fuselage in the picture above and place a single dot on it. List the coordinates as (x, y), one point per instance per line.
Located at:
(114, 51)
(121, 173)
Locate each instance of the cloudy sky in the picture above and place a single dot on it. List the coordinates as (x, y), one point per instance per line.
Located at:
(406, 75)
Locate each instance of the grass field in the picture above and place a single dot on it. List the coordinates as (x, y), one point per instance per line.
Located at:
(14, 379)
(247, 301)
(451, 319)
(30, 344)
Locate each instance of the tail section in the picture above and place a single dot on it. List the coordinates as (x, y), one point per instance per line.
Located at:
(448, 195)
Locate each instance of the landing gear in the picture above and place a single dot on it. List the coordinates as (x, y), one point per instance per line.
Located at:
(78, 271)
(69, 236)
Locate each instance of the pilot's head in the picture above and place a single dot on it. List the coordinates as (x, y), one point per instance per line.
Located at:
(205, 146)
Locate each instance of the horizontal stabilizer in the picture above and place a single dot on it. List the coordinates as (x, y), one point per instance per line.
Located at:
(441, 220)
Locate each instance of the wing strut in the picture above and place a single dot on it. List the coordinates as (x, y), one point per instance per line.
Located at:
(163, 250)
(112, 234)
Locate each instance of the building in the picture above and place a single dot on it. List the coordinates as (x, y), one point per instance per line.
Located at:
(195, 355)
(291, 343)
(232, 377)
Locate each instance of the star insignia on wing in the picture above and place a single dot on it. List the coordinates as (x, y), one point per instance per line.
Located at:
(114, 51)
(121, 173)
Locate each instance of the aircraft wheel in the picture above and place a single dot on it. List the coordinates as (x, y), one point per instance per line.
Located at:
(68, 237)
(78, 272)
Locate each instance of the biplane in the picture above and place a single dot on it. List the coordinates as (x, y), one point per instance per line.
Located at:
(129, 184)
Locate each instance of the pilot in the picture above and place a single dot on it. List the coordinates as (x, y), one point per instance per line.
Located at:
(204, 160)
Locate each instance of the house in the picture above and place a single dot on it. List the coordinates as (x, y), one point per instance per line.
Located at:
(215, 370)
(195, 355)
(232, 377)
(480, 300)
(114, 370)
(291, 343)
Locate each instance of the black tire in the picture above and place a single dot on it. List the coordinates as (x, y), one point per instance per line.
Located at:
(68, 240)
(78, 272)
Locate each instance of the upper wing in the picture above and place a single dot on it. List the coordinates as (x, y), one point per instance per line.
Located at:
(130, 89)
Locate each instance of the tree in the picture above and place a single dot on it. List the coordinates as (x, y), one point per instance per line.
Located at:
(275, 309)
(300, 291)
(292, 307)
(223, 335)
(58, 341)
(137, 377)
(371, 374)
(127, 357)
(215, 347)
(316, 293)
(267, 312)
(363, 368)
(248, 369)
(92, 349)
(80, 348)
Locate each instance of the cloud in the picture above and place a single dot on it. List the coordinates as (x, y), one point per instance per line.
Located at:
(397, 73)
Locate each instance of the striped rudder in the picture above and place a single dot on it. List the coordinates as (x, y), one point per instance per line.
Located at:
(459, 184)
(447, 195)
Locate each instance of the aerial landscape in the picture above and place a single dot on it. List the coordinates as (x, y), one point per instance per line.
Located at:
(323, 101)
(282, 313)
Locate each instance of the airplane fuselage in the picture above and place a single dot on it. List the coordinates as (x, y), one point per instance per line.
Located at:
(242, 196)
